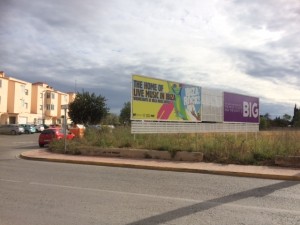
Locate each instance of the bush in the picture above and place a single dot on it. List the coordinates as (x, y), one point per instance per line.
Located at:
(222, 148)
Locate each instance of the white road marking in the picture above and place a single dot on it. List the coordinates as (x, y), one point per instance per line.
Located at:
(12, 181)
(211, 202)
(24, 142)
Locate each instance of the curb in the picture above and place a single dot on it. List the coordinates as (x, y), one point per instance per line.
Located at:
(143, 153)
(168, 168)
(288, 161)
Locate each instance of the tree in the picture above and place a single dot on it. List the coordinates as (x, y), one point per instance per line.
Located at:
(278, 122)
(111, 119)
(296, 117)
(125, 113)
(287, 117)
(88, 108)
(267, 116)
(264, 123)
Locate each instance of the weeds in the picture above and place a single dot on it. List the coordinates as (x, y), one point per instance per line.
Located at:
(217, 147)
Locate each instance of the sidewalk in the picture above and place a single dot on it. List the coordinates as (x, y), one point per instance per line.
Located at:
(265, 172)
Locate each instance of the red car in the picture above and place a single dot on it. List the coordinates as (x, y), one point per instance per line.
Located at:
(55, 133)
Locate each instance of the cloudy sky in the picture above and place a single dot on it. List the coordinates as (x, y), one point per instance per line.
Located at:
(248, 47)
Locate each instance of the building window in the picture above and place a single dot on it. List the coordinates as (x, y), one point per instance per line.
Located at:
(41, 107)
(48, 106)
(52, 95)
(0, 83)
(26, 105)
(26, 91)
(52, 107)
(48, 94)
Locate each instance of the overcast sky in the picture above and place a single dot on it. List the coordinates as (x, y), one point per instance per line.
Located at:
(248, 47)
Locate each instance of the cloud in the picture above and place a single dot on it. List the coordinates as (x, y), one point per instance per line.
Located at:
(249, 47)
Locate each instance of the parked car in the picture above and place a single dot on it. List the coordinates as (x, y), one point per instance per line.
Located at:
(109, 126)
(51, 134)
(95, 127)
(39, 128)
(29, 129)
(11, 129)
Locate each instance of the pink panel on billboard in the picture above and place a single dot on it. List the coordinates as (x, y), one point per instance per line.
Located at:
(241, 108)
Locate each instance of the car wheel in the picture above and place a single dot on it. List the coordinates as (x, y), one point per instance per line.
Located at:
(41, 145)
(13, 132)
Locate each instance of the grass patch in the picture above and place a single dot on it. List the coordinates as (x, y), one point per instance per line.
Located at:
(251, 148)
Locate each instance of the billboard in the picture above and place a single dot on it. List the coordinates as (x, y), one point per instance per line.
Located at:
(212, 105)
(161, 100)
(240, 108)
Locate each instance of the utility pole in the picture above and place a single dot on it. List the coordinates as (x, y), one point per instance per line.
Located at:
(65, 107)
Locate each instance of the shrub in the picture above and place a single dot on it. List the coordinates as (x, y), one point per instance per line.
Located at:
(216, 147)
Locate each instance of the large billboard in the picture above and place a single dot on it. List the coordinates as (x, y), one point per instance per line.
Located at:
(161, 100)
(240, 108)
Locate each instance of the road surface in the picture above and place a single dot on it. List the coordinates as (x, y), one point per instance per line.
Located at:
(43, 193)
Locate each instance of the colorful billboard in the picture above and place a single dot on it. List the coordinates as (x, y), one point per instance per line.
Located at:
(161, 100)
(241, 108)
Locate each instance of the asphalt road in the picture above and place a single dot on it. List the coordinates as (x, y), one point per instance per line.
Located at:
(38, 193)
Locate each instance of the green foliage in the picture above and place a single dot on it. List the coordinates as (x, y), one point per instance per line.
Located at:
(125, 113)
(287, 117)
(279, 122)
(296, 119)
(264, 123)
(58, 146)
(251, 148)
(88, 108)
(111, 119)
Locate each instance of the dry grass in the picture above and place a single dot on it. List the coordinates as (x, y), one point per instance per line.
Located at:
(250, 148)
